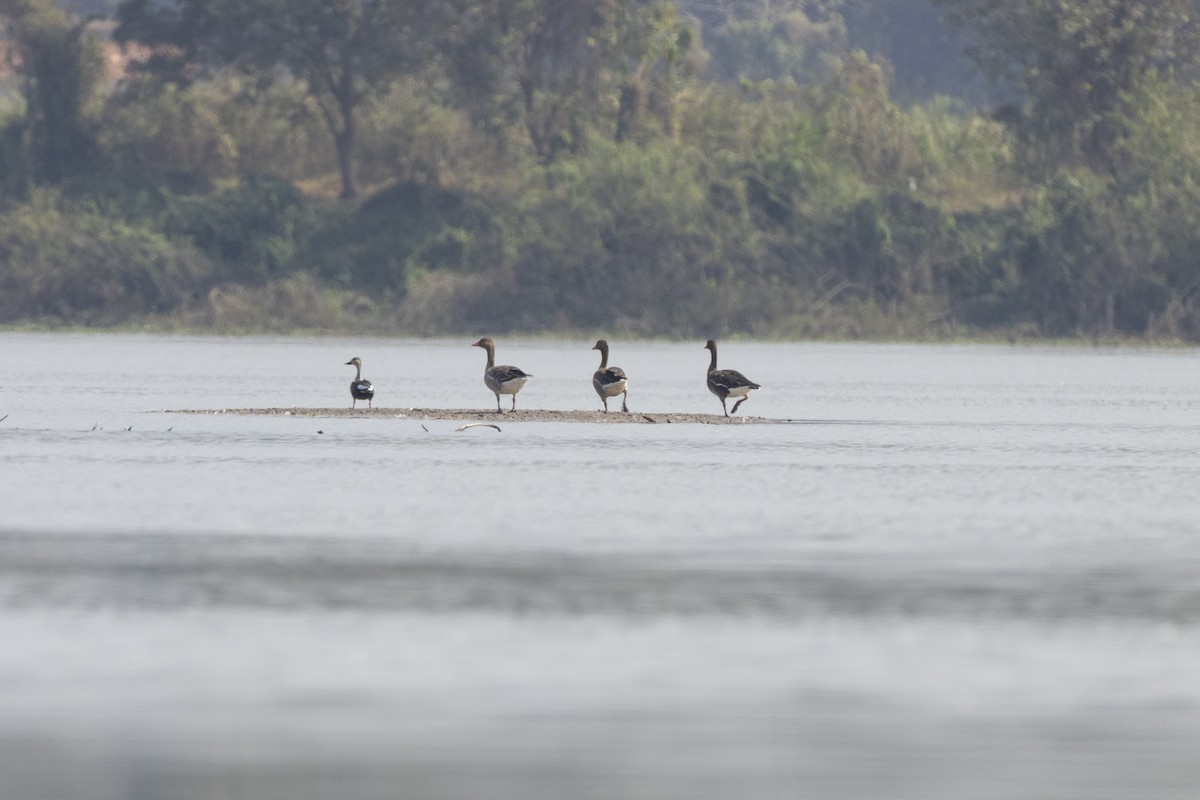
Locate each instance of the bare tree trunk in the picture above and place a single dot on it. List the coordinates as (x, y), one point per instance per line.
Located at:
(345, 136)
(345, 155)
(337, 104)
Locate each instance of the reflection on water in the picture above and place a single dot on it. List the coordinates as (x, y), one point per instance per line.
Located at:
(178, 573)
(960, 572)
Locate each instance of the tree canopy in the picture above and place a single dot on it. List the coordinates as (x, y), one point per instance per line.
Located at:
(60, 66)
(343, 50)
(1080, 63)
(706, 166)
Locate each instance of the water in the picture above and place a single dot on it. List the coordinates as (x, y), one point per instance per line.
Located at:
(955, 572)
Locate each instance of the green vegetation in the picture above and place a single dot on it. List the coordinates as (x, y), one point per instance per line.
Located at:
(628, 166)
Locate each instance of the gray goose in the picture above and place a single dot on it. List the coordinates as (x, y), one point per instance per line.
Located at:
(501, 379)
(609, 381)
(727, 382)
(360, 387)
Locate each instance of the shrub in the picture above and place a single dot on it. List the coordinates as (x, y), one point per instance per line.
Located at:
(165, 130)
(298, 302)
(76, 266)
(408, 226)
(251, 232)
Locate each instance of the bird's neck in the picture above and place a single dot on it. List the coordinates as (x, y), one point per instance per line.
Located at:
(603, 358)
(712, 365)
(491, 351)
(358, 372)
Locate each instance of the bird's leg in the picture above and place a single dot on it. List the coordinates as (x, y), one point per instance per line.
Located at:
(738, 403)
(723, 408)
(371, 406)
(499, 410)
(514, 405)
(605, 400)
(624, 407)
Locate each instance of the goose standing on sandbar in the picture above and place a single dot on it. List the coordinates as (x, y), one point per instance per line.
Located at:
(360, 387)
(501, 379)
(727, 382)
(609, 381)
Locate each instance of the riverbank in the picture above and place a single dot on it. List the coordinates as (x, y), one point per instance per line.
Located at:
(388, 330)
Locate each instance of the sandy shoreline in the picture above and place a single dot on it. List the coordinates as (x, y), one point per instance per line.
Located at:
(476, 415)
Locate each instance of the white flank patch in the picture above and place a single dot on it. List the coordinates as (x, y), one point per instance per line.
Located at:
(614, 389)
(514, 386)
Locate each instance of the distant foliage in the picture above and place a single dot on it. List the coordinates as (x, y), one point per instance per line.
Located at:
(253, 231)
(620, 236)
(295, 303)
(63, 264)
(774, 42)
(161, 129)
(58, 60)
(408, 227)
(626, 166)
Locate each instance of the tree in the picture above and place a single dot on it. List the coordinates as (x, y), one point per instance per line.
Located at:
(658, 54)
(60, 66)
(770, 40)
(547, 65)
(1080, 63)
(345, 51)
(926, 50)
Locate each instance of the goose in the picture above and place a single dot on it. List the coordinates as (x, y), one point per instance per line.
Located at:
(609, 381)
(727, 382)
(360, 387)
(501, 379)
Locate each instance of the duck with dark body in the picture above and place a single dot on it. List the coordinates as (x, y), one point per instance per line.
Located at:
(501, 379)
(360, 387)
(726, 383)
(609, 381)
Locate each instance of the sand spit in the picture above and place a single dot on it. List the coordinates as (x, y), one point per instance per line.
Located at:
(474, 415)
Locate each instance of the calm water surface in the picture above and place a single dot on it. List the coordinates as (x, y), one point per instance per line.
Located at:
(953, 572)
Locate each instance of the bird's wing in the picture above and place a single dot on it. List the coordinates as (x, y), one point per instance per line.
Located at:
(610, 375)
(731, 379)
(505, 373)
